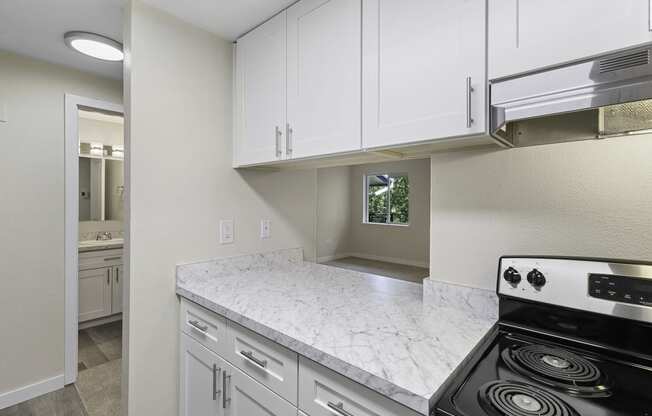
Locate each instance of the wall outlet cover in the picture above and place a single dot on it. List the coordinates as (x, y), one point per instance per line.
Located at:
(265, 229)
(226, 231)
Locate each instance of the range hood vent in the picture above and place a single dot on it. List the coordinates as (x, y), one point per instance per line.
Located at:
(606, 97)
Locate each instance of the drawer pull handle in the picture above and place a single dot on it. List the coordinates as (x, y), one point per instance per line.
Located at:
(199, 326)
(112, 258)
(216, 371)
(250, 356)
(225, 399)
(338, 408)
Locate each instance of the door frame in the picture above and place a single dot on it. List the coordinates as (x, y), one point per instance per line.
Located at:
(71, 255)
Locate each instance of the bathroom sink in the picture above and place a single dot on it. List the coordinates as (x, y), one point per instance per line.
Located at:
(99, 244)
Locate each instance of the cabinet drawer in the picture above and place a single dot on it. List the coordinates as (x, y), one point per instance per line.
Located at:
(203, 325)
(323, 392)
(265, 361)
(103, 258)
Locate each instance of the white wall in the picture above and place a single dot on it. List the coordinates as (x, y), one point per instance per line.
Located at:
(333, 212)
(98, 131)
(32, 214)
(179, 95)
(394, 243)
(591, 198)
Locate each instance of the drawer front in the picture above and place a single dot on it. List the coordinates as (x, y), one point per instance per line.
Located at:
(323, 392)
(205, 326)
(265, 361)
(103, 258)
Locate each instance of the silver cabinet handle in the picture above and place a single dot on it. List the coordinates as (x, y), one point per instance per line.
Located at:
(112, 258)
(650, 15)
(338, 408)
(288, 138)
(108, 277)
(225, 399)
(117, 275)
(216, 371)
(278, 133)
(198, 325)
(469, 91)
(250, 355)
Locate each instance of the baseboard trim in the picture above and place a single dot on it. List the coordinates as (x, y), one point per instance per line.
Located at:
(39, 388)
(374, 257)
(100, 321)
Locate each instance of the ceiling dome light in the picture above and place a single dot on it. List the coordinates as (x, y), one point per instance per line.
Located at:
(94, 45)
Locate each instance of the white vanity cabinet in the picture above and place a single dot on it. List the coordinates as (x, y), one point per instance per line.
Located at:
(424, 72)
(527, 35)
(226, 369)
(100, 284)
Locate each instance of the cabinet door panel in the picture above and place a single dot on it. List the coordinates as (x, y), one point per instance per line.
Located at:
(417, 56)
(525, 35)
(199, 380)
(260, 92)
(94, 293)
(247, 397)
(116, 292)
(324, 77)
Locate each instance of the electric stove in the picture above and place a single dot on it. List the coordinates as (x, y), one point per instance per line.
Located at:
(574, 338)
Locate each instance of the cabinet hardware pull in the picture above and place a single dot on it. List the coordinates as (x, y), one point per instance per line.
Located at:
(469, 91)
(112, 258)
(199, 326)
(216, 371)
(108, 277)
(250, 356)
(225, 400)
(650, 15)
(278, 132)
(117, 275)
(338, 408)
(288, 138)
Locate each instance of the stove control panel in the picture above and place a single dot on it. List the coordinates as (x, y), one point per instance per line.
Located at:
(621, 288)
(607, 287)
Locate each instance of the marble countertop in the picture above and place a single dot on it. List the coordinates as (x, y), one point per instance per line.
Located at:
(94, 245)
(394, 337)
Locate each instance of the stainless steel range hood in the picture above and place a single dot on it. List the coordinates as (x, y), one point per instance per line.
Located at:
(605, 97)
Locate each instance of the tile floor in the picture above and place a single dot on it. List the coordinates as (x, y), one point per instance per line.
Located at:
(97, 391)
(397, 271)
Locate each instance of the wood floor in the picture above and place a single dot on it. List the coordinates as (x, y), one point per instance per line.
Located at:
(396, 271)
(97, 391)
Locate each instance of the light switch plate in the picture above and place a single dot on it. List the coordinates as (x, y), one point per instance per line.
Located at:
(3, 112)
(226, 231)
(265, 229)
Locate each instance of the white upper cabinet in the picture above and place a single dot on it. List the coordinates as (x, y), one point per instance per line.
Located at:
(323, 73)
(260, 85)
(526, 35)
(423, 70)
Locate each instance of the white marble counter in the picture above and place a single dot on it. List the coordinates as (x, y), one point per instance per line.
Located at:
(374, 330)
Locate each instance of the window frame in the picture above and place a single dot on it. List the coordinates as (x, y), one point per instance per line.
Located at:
(365, 198)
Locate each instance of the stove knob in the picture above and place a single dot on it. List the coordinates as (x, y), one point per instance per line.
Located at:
(536, 278)
(512, 275)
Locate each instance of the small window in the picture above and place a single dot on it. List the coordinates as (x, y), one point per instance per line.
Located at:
(387, 199)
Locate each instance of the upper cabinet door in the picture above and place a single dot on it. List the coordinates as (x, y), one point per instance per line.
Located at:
(260, 100)
(324, 71)
(526, 35)
(423, 70)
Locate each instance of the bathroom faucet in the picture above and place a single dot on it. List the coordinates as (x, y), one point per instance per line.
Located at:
(103, 236)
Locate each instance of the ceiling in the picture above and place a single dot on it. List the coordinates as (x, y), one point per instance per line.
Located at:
(35, 28)
(226, 18)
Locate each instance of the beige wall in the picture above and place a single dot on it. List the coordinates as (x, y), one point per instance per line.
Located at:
(105, 132)
(408, 244)
(591, 198)
(333, 212)
(182, 183)
(32, 214)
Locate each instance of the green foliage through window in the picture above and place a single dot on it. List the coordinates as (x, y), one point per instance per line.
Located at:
(387, 199)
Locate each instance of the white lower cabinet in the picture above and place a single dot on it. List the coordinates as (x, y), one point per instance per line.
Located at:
(247, 397)
(200, 384)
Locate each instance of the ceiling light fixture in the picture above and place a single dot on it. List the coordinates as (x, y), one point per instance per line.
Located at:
(97, 46)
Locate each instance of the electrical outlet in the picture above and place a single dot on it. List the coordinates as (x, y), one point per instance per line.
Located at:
(226, 231)
(265, 228)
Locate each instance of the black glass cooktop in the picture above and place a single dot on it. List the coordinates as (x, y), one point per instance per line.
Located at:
(522, 375)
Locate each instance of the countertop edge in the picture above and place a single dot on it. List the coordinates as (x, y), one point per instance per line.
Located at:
(417, 403)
